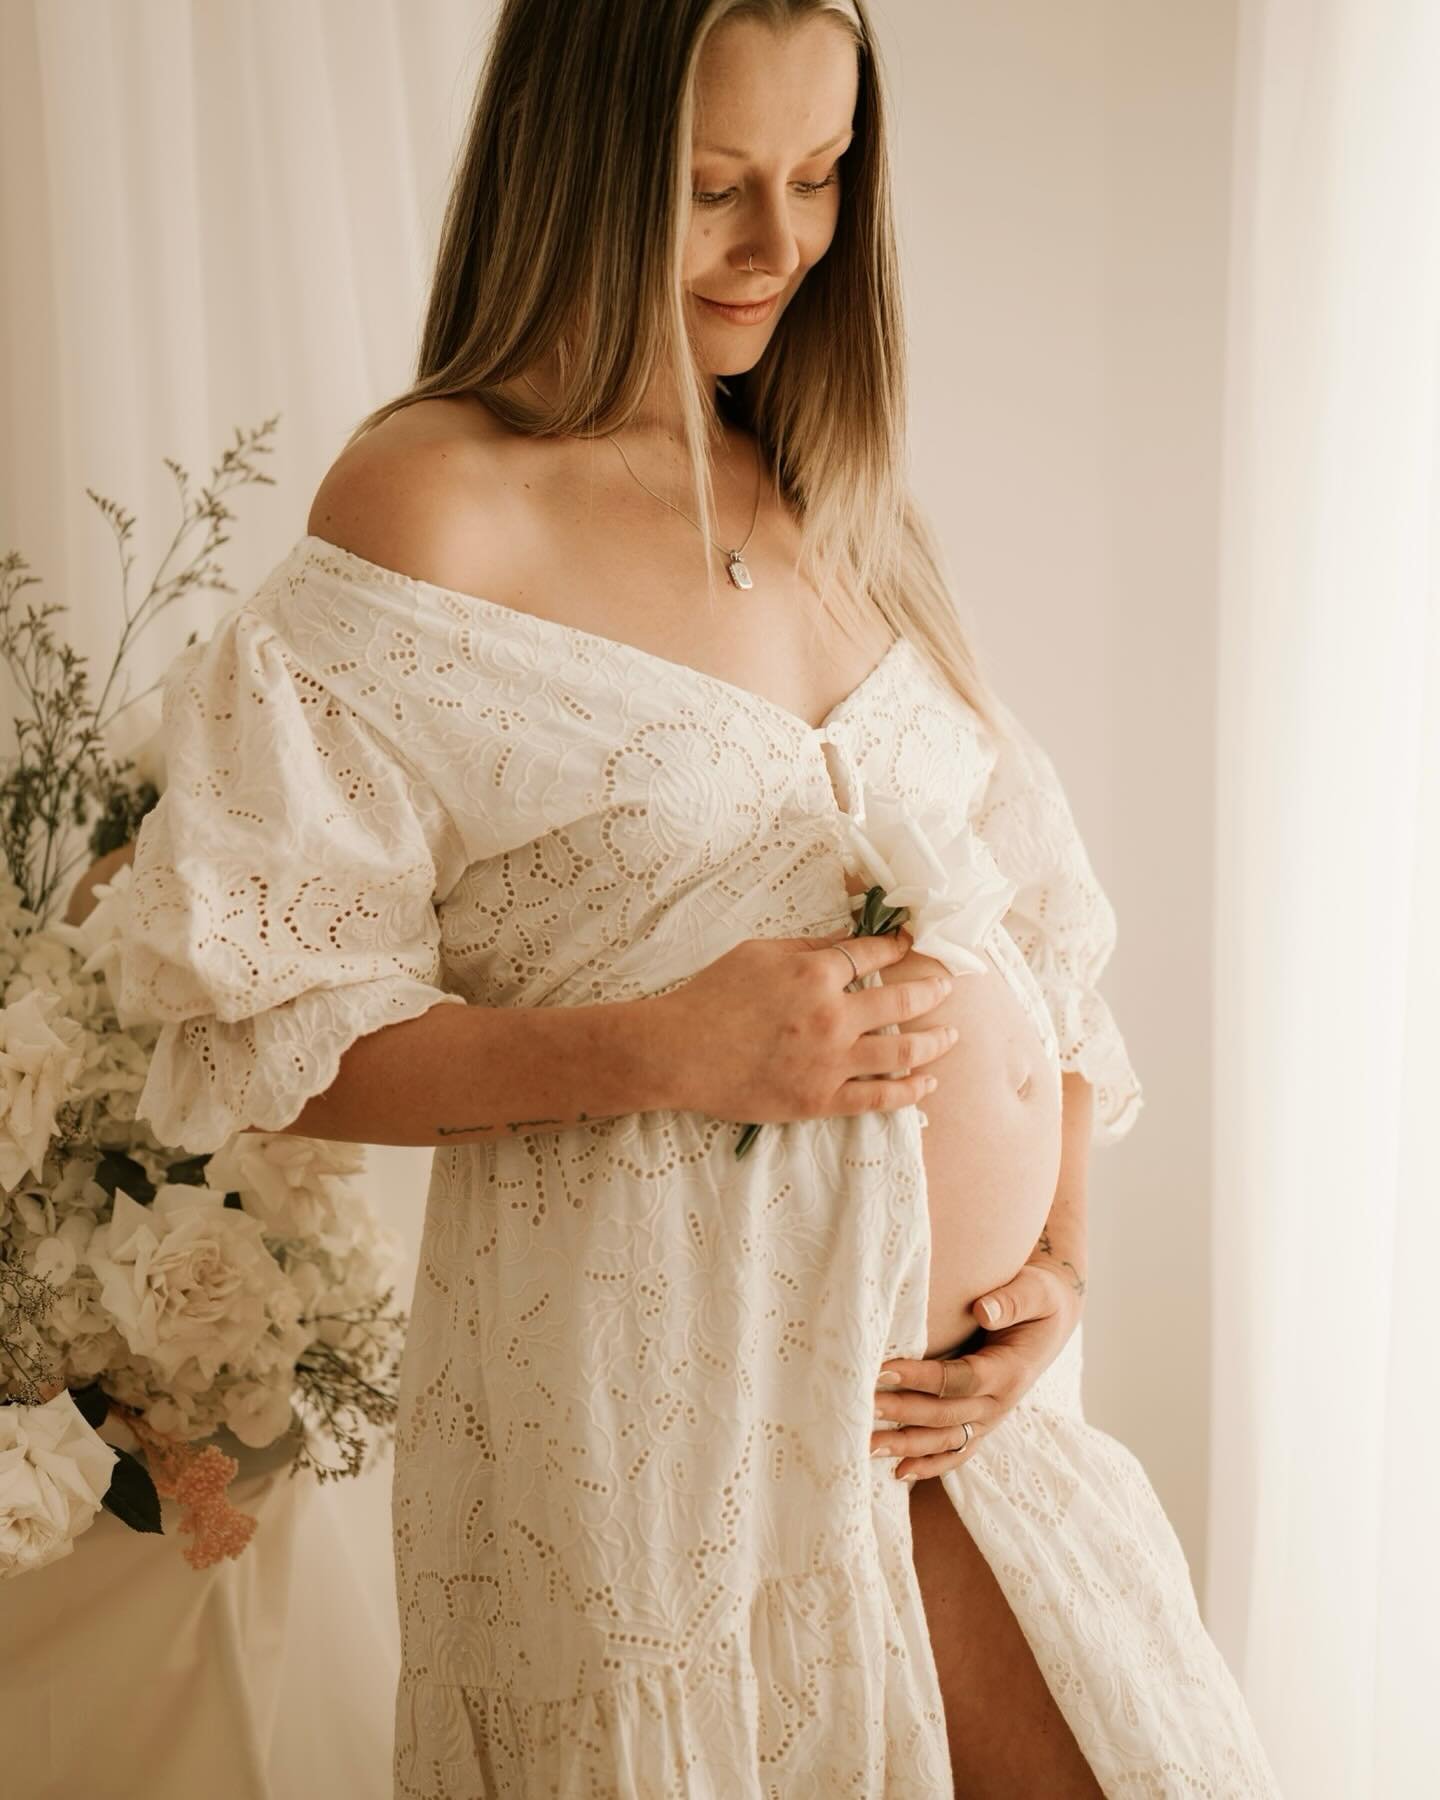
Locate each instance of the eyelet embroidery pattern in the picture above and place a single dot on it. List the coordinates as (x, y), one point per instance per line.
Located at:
(641, 1549)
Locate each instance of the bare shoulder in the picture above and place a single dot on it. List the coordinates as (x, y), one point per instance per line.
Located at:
(440, 490)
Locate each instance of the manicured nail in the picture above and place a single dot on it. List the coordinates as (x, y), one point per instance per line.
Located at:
(991, 1311)
(887, 1378)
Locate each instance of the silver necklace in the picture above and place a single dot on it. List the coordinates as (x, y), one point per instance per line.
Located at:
(735, 565)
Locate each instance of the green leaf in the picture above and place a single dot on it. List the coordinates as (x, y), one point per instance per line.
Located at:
(92, 1404)
(189, 1171)
(115, 1170)
(747, 1137)
(131, 1495)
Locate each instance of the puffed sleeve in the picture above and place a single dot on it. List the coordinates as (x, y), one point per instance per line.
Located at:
(282, 900)
(1061, 920)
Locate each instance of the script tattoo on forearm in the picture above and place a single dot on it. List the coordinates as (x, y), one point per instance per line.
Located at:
(1046, 1248)
(516, 1126)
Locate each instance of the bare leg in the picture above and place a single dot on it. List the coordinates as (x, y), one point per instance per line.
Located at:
(1008, 1738)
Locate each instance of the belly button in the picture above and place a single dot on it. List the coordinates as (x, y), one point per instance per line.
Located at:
(1024, 1087)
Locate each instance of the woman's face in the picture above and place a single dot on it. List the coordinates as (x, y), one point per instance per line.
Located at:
(773, 119)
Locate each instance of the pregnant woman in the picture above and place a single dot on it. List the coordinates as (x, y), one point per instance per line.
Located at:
(512, 815)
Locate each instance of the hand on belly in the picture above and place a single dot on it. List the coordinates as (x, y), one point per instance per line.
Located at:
(991, 1147)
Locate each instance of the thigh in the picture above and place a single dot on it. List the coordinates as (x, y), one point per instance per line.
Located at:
(1008, 1738)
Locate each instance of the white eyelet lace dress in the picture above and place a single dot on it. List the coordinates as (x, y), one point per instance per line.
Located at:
(641, 1548)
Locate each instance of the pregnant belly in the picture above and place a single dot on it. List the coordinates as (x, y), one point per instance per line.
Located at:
(991, 1147)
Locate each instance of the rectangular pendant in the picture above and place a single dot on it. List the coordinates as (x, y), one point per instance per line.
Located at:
(738, 573)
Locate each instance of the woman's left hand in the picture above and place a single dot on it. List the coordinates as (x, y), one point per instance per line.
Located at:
(1039, 1309)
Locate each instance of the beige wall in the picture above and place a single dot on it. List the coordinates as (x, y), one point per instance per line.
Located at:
(1063, 177)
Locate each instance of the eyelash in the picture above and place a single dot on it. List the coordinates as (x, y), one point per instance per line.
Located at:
(809, 190)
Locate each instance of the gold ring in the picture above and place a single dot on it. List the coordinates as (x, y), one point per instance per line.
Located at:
(849, 958)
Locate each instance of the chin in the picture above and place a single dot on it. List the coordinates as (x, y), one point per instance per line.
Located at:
(727, 371)
(733, 359)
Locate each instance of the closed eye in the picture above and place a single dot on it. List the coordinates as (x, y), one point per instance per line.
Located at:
(807, 188)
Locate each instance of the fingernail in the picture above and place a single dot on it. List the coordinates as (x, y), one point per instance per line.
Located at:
(887, 1378)
(991, 1311)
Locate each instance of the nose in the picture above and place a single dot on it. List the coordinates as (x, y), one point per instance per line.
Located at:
(769, 236)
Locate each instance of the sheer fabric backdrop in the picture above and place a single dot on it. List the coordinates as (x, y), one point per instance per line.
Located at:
(1325, 1472)
(212, 214)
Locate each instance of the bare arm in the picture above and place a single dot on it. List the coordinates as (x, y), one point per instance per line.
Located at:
(464, 1074)
(82, 895)
(1062, 1244)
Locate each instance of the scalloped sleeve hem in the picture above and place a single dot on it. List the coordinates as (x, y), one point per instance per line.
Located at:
(1091, 1045)
(209, 1079)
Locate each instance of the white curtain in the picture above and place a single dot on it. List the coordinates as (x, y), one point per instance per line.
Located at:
(211, 215)
(1324, 1585)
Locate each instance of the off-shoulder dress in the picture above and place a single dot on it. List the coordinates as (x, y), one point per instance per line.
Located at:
(641, 1548)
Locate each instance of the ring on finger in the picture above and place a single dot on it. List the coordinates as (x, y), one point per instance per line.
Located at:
(969, 1431)
(849, 958)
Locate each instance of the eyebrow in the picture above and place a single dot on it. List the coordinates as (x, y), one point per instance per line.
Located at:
(721, 150)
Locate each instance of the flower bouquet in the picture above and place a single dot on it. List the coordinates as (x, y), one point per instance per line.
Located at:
(927, 871)
(174, 1296)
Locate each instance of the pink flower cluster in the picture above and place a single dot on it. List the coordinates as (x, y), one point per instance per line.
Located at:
(197, 1479)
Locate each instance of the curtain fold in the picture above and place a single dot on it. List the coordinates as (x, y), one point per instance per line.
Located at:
(212, 215)
(1326, 1378)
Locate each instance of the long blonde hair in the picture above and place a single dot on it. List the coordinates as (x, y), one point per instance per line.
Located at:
(564, 237)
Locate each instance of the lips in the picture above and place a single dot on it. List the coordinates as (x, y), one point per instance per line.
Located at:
(741, 312)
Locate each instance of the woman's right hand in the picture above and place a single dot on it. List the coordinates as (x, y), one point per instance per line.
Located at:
(768, 1032)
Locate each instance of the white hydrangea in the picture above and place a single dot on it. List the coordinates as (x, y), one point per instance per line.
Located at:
(183, 1308)
(299, 1188)
(259, 1411)
(41, 1055)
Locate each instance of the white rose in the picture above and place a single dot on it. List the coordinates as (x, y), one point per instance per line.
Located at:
(933, 864)
(54, 1473)
(297, 1187)
(188, 1280)
(40, 1057)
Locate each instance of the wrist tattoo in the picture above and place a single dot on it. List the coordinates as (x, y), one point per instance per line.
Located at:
(517, 1126)
(1045, 1248)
